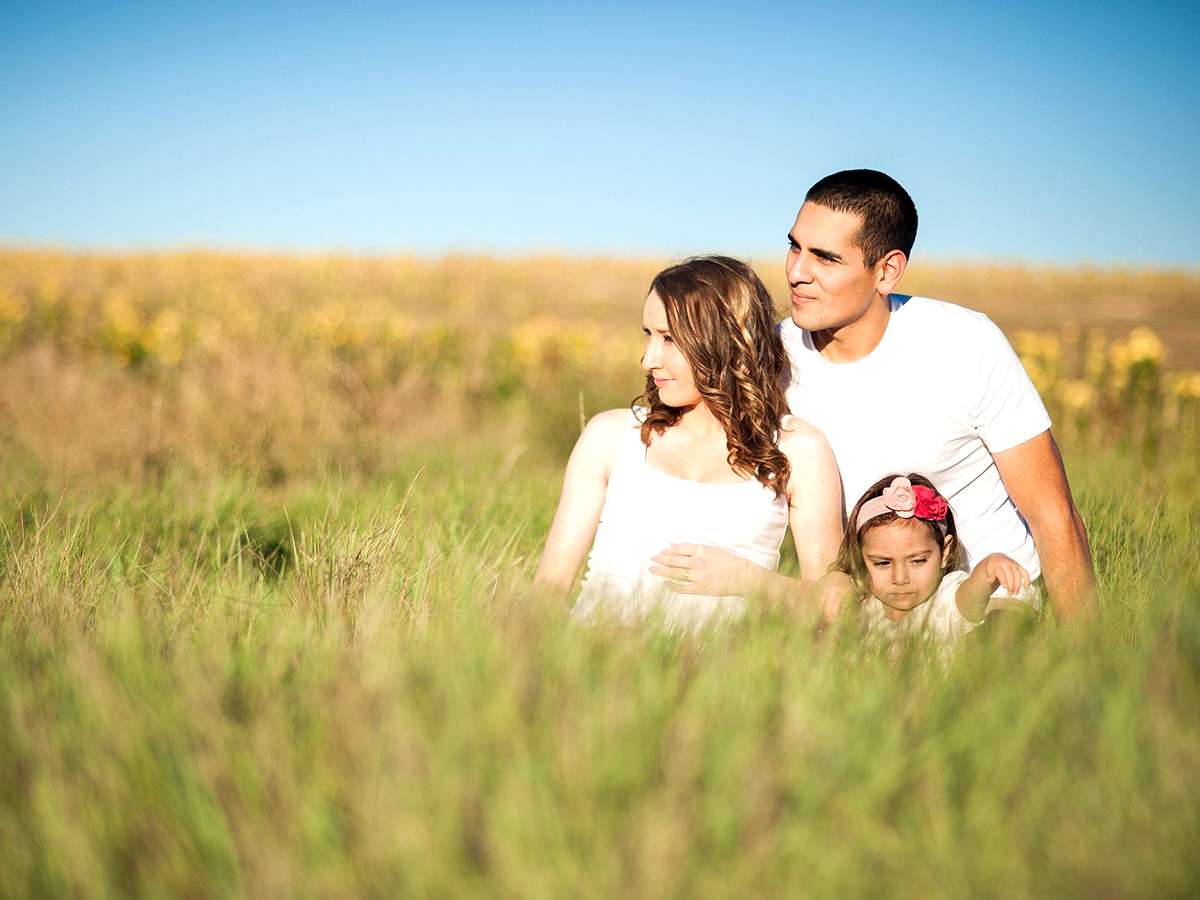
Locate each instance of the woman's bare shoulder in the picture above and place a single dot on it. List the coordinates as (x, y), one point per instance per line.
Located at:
(611, 421)
(800, 437)
(604, 430)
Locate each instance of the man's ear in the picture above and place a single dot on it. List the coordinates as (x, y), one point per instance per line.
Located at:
(890, 270)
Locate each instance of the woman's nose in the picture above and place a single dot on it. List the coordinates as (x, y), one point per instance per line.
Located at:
(650, 359)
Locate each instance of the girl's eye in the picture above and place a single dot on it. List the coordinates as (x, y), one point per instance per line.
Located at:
(920, 562)
(667, 339)
(880, 563)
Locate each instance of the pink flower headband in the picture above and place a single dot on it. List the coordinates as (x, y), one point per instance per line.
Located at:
(907, 500)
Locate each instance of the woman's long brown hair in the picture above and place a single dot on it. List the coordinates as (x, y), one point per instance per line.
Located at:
(722, 318)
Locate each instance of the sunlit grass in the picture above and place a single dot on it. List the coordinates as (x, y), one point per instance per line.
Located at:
(262, 629)
(374, 710)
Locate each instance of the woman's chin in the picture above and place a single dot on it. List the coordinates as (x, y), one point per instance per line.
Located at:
(681, 404)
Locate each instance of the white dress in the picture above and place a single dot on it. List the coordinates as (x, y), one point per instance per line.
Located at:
(937, 618)
(644, 511)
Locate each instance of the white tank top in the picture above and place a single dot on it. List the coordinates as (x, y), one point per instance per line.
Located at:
(644, 511)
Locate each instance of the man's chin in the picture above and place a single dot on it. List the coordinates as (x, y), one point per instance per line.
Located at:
(805, 321)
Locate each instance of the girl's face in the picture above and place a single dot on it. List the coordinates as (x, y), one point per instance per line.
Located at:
(904, 563)
(664, 360)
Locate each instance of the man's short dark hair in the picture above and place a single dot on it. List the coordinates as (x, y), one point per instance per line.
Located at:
(889, 216)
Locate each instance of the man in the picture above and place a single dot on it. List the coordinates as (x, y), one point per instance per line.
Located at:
(908, 384)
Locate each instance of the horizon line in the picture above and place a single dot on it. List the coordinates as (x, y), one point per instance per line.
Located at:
(302, 252)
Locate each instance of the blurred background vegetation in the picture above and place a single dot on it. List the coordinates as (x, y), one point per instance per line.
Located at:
(264, 533)
(293, 367)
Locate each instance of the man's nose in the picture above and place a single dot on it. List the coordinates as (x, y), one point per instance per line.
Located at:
(798, 268)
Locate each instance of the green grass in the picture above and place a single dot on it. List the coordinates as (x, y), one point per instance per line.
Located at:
(227, 687)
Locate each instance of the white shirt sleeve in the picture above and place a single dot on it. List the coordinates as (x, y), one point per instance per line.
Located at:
(1006, 409)
(942, 617)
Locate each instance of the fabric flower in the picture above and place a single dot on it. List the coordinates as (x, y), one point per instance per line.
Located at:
(929, 504)
(900, 498)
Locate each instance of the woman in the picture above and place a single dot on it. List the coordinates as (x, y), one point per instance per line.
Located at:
(684, 500)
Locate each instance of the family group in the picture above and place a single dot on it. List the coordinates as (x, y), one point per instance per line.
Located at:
(897, 436)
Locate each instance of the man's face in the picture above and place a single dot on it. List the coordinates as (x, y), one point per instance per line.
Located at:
(831, 287)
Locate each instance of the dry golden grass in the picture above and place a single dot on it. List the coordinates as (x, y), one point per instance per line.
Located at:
(121, 366)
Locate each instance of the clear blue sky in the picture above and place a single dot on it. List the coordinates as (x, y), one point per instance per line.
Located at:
(1065, 133)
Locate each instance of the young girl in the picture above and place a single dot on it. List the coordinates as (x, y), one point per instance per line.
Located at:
(901, 554)
(684, 500)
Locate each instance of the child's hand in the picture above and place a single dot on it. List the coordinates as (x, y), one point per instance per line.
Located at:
(1006, 572)
(831, 593)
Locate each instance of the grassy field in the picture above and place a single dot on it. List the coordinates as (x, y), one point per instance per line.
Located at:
(263, 540)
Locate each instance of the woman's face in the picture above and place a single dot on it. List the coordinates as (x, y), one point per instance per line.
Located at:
(664, 360)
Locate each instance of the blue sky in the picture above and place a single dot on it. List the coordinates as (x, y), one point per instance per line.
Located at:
(1064, 133)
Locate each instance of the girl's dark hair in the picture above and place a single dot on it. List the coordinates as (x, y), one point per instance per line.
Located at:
(723, 321)
(850, 554)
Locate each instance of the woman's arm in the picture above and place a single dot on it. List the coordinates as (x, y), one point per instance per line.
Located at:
(586, 479)
(993, 570)
(815, 498)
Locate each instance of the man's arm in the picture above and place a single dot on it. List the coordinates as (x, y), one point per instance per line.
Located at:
(1034, 476)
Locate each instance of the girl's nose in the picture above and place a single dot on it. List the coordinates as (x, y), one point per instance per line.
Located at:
(899, 574)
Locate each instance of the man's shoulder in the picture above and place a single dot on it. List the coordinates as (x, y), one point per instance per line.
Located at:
(916, 308)
(958, 327)
(911, 310)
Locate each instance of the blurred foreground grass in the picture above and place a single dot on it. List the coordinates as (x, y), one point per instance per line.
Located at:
(261, 631)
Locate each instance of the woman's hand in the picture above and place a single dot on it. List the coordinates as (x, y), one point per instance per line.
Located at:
(704, 569)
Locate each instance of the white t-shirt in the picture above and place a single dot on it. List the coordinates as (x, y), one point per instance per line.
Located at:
(938, 617)
(941, 393)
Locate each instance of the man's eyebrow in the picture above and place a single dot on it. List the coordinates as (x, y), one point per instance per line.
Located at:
(817, 251)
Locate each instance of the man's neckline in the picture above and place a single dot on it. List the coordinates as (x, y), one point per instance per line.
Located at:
(895, 301)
